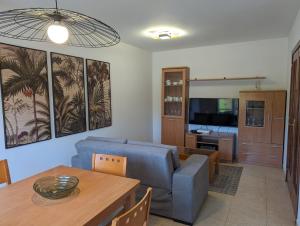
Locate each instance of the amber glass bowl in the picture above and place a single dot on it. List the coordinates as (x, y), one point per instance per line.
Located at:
(56, 187)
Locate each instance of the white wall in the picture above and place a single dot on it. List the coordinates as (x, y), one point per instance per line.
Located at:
(131, 107)
(293, 39)
(260, 58)
(294, 35)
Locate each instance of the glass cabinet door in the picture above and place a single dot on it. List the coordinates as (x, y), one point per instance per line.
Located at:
(255, 113)
(173, 93)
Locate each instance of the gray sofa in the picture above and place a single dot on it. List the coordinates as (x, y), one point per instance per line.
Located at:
(179, 189)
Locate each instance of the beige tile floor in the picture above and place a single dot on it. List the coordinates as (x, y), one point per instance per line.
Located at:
(262, 199)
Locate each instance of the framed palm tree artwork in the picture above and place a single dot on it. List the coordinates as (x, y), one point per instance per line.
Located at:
(68, 94)
(99, 94)
(25, 95)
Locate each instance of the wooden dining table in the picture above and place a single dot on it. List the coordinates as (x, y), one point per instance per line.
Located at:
(97, 196)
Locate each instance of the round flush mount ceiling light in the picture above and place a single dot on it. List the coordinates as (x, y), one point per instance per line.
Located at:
(164, 32)
(165, 36)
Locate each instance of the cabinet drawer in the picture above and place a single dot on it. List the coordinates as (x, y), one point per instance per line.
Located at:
(276, 155)
(261, 154)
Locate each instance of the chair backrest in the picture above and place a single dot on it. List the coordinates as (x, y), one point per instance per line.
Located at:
(4, 172)
(111, 164)
(137, 215)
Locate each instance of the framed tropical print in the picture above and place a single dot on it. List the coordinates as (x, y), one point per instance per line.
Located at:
(99, 94)
(25, 95)
(68, 94)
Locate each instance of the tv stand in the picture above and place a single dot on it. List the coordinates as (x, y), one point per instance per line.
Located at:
(222, 142)
(201, 131)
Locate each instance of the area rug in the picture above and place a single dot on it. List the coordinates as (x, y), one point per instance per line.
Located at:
(227, 181)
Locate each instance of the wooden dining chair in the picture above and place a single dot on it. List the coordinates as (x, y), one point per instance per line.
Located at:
(4, 172)
(137, 215)
(110, 164)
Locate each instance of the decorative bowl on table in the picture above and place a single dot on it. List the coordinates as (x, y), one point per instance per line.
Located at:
(55, 187)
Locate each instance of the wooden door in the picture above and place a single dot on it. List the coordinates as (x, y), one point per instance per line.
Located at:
(293, 133)
(226, 148)
(255, 128)
(173, 130)
(190, 140)
(278, 117)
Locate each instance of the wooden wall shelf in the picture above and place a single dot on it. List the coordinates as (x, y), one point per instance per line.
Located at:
(228, 78)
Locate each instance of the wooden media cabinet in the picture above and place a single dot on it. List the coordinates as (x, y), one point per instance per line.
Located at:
(220, 141)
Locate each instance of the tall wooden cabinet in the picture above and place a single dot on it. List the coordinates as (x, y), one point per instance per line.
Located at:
(175, 97)
(261, 127)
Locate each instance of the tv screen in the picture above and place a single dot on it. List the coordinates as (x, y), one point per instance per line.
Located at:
(214, 111)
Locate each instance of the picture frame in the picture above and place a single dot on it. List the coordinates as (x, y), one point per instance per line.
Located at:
(99, 94)
(25, 95)
(68, 94)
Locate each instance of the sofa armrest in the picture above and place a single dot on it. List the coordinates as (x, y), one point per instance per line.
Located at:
(190, 188)
(75, 162)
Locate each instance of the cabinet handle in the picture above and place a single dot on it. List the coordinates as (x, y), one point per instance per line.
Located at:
(276, 146)
(226, 139)
(278, 118)
(246, 144)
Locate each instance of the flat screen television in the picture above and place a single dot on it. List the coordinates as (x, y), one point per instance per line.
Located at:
(214, 111)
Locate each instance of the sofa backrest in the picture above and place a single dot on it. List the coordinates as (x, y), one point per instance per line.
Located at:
(175, 153)
(108, 139)
(152, 166)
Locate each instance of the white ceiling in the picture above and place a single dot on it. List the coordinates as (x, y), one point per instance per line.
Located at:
(207, 22)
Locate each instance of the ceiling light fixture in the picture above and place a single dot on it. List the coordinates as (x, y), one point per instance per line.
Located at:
(164, 32)
(58, 33)
(57, 25)
(164, 36)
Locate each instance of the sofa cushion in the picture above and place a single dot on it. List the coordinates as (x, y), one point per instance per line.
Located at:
(108, 139)
(175, 154)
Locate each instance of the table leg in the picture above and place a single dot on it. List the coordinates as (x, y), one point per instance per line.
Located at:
(217, 163)
(127, 204)
(130, 201)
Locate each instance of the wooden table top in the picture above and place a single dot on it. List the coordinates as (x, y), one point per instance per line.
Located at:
(97, 193)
